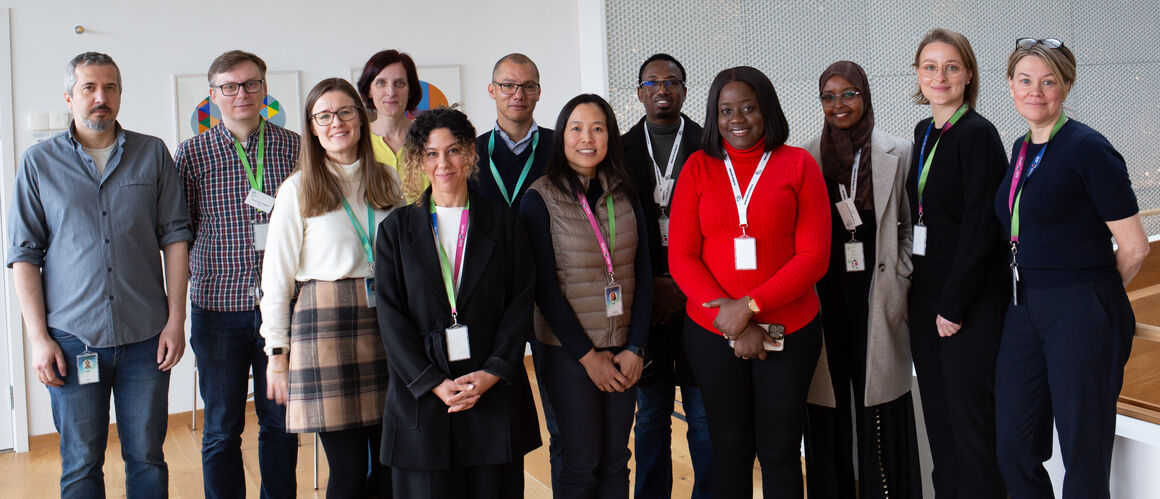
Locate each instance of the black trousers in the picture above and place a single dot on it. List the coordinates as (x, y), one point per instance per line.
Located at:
(355, 469)
(956, 380)
(1062, 358)
(594, 428)
(756, 408)
(496, 481)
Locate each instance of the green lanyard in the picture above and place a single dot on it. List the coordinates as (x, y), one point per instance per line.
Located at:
(1016, 193)
(523, 175)
(924, 170)
(450, 270)
(364, 236)
(255, 180)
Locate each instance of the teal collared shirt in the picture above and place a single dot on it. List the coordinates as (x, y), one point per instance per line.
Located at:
(97, 238)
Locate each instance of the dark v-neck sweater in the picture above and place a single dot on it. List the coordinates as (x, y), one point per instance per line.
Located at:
(509, 165)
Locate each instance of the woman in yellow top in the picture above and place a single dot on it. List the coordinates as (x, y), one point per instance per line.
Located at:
(389, 86)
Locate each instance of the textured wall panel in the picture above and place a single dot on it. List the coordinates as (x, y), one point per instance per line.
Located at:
(1116, 43)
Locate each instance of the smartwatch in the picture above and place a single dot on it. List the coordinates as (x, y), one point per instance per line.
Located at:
(639, 351)
(278, 350)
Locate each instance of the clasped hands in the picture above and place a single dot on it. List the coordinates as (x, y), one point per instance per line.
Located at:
(463, 392)
(734, 322)
(612, 373)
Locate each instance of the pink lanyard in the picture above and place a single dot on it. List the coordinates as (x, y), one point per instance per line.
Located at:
(604, 247)
(451, 276)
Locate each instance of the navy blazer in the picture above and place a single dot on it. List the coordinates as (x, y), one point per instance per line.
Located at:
(495, 300)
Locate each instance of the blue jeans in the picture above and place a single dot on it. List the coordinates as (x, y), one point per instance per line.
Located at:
(81, 415)
(653, 432)
(227, 345)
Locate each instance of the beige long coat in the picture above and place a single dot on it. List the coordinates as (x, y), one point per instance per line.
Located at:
(888, 368)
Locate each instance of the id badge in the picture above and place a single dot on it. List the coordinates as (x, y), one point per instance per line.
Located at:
(745, 253)
(855, 257)
(260, 231)
(664, 226)
(260, 200)
(1014, 285)
(850, 217)
(88, 368)
(458, 344)
(613, 301)
(370, 291)
(919, 246)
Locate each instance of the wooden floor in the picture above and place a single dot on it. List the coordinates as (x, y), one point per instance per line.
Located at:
(36, 473)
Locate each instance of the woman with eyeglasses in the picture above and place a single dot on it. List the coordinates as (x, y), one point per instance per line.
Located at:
(593, 296)
(959, 289)
(749, 238)
(327, 363)
(863, 299)
(455, 307)
(1068, 331)
(389, 85)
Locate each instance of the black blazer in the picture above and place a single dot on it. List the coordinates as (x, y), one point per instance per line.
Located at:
(495, 303)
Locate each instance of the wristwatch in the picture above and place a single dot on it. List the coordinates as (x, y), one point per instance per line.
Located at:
(279, 350)
(752, 305)
(639, 351)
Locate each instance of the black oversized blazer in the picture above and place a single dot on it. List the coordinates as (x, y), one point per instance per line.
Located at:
(496, 296)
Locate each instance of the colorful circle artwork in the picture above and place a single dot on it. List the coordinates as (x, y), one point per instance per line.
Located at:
(207, 115)
(432, 97)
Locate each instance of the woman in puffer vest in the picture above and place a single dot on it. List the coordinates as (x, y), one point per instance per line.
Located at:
(593, 294)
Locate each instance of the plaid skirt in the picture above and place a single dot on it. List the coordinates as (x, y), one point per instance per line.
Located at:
(338, 368)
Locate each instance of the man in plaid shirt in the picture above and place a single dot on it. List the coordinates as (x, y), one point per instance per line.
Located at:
(231, 173)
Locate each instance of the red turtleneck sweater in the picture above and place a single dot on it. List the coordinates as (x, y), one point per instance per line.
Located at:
(789, 215)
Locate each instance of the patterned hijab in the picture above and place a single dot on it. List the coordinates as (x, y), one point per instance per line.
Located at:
(838, 145)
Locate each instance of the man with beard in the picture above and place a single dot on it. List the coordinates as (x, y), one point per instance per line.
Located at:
(656, 148)
(91, 212)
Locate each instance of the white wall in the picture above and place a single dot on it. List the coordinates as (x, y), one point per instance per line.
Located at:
(153, 40)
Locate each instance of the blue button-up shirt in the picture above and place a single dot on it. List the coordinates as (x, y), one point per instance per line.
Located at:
(98, 237)
(517, 147)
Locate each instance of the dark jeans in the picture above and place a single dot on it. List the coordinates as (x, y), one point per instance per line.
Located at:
(554, 453)
(594, 428)
(755, 408)
(956, 380)
(653, 435)
(81, 414)
(1062, 358)
(355, 468)
(228, 346)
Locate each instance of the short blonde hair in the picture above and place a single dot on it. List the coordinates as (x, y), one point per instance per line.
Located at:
(1061, 61)
(960, 43)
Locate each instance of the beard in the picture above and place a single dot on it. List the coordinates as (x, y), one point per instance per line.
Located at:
(97, 125)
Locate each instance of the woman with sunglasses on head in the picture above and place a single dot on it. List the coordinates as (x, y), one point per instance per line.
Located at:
(389, 85)
(749, 238)
(327, 363)
(864, 302)
(959, 291)
(455, 307)
(1063, 199)
(593, 296)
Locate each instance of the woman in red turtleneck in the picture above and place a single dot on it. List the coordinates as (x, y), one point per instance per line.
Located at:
(740, 275)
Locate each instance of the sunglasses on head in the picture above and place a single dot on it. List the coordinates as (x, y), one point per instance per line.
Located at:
(1051, 43)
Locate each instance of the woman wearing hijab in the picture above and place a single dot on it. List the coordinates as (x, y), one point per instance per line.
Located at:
(863, 302)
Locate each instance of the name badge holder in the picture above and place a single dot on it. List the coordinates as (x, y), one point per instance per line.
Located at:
(255, 198)
(88, 367)
(663, 193)
(855, 252)
(456, 336)
(365, 237)
(744, 246)
(918, 246)
(1015, 196)
(613, 294)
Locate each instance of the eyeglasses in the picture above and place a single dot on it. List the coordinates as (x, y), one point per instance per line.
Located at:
(231, 89)
(326, 117)
(530, 88)
(950, 69)
(828, 100)
(654, 86)
(1026, 43)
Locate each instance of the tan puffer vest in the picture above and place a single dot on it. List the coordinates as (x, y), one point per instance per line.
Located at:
(580, 266)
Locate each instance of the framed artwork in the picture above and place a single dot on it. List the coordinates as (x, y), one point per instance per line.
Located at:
(196, 113)
(440, 85)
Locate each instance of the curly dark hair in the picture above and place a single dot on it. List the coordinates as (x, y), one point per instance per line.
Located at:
(411, 155)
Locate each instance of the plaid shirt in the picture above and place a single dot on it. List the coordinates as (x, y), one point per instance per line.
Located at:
(224, 266)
